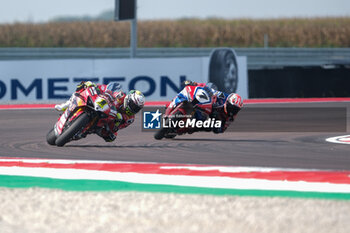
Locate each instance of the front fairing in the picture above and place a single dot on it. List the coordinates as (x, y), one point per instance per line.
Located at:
(80, 102)
(189, 94)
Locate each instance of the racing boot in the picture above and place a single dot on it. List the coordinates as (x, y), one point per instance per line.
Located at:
(109, 138)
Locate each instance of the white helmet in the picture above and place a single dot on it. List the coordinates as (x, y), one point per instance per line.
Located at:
(134, 102)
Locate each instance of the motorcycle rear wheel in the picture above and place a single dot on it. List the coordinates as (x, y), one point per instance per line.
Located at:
(77, 125)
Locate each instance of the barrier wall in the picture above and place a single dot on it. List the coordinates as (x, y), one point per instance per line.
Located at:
(300, 82)
(42, 81)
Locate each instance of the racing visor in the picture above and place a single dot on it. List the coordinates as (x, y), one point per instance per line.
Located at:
(132, 108)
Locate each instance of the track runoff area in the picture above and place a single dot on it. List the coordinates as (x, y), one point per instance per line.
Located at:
(185, 178)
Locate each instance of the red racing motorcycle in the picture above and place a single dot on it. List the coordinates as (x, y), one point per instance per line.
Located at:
(88, 111)
(182, 118)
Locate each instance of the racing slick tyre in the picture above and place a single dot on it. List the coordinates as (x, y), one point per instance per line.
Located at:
(77, 125)
(51, 137)
(160, 134)
(163, 133)
(223, 70)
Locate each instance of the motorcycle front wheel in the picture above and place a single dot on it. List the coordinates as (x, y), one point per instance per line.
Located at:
(160, 134)
(51, 137)
(164, 132)
(77, 125)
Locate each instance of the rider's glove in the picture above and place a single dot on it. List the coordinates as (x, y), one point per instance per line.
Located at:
(84, 84)
(189, 82)
(90, 84)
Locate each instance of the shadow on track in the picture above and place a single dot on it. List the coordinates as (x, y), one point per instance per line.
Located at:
(222, 140)
(179, 142)
(122, 146)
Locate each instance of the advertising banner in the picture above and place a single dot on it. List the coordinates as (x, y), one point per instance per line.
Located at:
(44, 81)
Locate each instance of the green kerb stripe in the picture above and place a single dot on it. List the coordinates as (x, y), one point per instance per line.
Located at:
(104, 185)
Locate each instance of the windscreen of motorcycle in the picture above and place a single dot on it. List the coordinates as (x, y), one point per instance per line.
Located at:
(202, 96)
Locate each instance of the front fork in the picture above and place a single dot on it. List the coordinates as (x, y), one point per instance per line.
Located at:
(84, 131)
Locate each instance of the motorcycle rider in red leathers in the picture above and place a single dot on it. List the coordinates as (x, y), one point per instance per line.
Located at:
(123, 111)
(225, 108)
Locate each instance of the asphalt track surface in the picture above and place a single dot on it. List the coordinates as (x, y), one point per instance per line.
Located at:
(23, 134)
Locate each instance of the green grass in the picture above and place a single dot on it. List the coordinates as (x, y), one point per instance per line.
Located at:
(104, 185)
